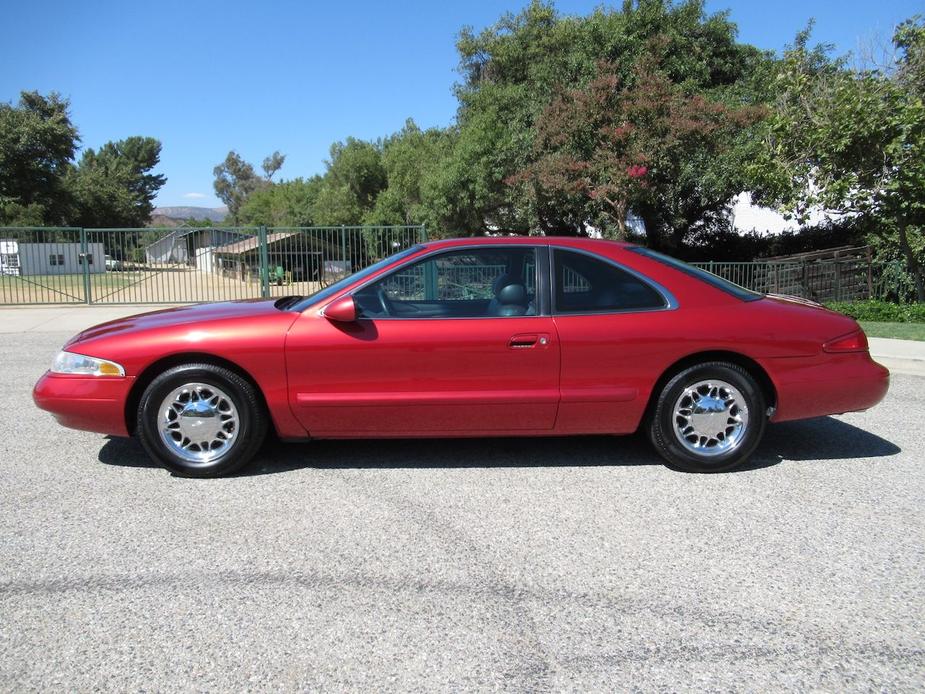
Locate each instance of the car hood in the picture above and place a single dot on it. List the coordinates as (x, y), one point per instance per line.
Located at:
(179, 316)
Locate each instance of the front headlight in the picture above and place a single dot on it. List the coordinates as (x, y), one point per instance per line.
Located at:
(70, 363)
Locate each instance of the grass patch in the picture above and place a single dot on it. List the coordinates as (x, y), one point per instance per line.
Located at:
(881, 311)
(898, 331)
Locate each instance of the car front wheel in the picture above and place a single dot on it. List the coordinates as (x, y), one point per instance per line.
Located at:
(708, 418)
(201, 420)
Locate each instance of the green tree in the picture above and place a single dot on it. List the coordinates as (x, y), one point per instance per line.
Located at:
(514, 70)
(411, 158)
(115, 186)
(37, 144)
(354, 178)
(852, 141)
(286, 204)
(610, 148)
(236, 179)
(272, 164)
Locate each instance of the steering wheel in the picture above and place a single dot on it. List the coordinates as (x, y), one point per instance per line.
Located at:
(384, 301)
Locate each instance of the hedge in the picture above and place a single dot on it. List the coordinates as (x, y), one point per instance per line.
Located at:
(881, 311)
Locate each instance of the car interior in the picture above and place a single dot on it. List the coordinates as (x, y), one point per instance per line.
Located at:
(476, 283)
(482, 283)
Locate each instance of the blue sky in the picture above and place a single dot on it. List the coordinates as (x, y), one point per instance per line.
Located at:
(207, 77)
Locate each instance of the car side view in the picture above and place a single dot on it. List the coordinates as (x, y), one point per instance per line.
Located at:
(471, 337)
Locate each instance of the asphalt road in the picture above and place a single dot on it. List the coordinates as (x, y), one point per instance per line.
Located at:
(577, 564)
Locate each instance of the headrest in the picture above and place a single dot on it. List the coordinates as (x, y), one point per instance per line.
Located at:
(501, 281)
(513, 294)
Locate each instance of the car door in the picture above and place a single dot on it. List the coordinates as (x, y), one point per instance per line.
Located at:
(611, 322)
(458, 342)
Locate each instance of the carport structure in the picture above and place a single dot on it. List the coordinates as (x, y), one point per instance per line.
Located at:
(295, 256)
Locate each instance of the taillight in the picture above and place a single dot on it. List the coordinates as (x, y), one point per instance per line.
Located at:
(853, 342)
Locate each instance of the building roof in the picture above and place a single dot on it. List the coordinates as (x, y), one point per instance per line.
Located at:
(251, 244)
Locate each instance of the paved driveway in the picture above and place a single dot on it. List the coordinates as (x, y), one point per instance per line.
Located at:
(538, 564)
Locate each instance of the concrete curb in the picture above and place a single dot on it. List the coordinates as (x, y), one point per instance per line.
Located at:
(899, 356)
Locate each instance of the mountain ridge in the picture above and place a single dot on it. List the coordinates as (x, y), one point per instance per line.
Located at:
(184, 212)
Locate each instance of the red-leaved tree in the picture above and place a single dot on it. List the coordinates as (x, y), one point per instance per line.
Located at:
(611, 147)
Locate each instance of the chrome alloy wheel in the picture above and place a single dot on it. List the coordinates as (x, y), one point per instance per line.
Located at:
(710, 418)
(198, 422)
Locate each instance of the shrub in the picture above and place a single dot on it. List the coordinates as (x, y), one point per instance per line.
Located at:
(881, 311)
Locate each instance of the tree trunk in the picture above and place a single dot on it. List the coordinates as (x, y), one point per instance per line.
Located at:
(651, 224)
(912, 262)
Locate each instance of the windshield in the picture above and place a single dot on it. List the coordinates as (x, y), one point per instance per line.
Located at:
(708, 277)
(332, 289)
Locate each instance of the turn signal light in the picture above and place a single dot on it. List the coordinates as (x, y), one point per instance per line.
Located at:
(854, 342)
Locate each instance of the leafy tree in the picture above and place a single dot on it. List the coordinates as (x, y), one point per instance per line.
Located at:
(610, 148)
(114, 187)
(410, 158)
(354, 178)
(236, 179)
(272, 164)
(37, 144)
(513, 70)
(852, 141)
(286, 204)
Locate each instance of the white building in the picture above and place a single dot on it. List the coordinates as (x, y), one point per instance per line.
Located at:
(49, 258)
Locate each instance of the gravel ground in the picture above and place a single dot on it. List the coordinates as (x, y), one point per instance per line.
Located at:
(578, 564)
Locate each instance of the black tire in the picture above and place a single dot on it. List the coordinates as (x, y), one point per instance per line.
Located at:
(661, 425)
(248, 431)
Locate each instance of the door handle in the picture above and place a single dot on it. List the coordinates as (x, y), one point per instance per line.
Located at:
(527, 341)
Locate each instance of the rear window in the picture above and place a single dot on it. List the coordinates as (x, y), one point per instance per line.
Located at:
(585, 284)
(702, 275)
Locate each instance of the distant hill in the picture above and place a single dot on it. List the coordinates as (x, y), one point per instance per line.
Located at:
(216, 214)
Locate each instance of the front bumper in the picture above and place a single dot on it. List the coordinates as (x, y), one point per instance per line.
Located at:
(90, 403)
(826, 384)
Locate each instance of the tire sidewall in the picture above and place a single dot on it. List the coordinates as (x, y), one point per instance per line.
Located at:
(237, 389)
(662, 430)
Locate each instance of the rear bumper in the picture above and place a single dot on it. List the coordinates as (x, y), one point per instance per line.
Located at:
(94, 403)
(826, 384)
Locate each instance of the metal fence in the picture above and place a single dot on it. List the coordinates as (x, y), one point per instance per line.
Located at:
(824, 280)
(191, 264)
(185, 264)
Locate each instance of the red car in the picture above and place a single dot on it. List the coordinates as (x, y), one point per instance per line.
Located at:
(471, 337)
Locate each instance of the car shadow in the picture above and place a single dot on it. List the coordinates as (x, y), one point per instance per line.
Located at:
(819, 439)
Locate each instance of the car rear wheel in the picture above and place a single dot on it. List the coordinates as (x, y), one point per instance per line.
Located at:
(708, 418)
(201, 420)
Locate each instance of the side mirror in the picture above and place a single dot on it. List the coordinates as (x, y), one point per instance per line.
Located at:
(344, 310)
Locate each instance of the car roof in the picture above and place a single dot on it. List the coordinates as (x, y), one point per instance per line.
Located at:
(566, 241)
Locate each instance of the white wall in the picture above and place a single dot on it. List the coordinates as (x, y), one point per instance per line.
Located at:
(204, 260)
(34, 258)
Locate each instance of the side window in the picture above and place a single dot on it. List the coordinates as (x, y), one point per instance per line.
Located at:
(472, 283)
(587, 285)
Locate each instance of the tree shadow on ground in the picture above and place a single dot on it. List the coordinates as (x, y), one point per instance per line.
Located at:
(822, 439)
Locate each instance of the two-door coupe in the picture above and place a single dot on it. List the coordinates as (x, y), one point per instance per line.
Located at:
(471, 337)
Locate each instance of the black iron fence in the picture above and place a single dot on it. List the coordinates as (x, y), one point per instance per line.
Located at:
(185, 264)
